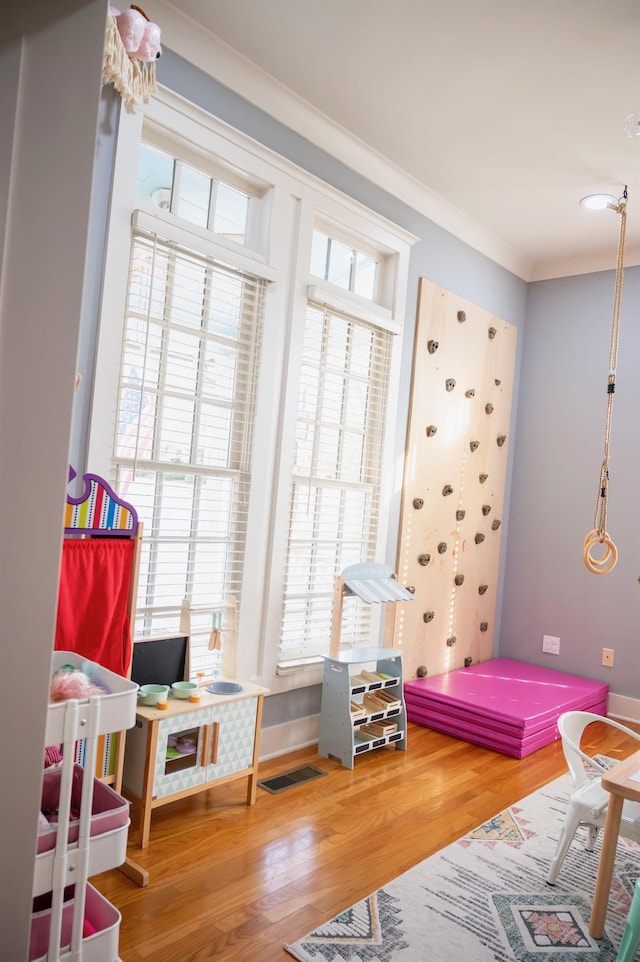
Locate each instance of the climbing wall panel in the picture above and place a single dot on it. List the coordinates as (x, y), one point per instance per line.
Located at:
(453, 490)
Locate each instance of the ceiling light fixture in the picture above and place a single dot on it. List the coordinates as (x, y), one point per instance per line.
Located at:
(161, 197)
(599, 202)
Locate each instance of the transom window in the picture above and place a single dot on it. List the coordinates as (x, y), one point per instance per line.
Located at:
(344, 265)
(173, 185)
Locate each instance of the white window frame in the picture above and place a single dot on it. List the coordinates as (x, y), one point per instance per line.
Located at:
(292, 203)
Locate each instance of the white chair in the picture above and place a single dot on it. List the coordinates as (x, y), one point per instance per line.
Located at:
(589, 800)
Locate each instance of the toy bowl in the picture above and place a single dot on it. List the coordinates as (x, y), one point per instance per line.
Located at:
(182, 689)
(152, 694)
(225, 688)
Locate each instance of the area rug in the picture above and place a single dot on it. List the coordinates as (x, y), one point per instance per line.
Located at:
(484, 898)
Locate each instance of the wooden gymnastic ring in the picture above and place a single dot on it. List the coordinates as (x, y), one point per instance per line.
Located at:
(607, 562)
(594, 537)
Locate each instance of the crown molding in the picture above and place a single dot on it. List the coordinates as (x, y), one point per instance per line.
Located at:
(214, 57)
(572, 266)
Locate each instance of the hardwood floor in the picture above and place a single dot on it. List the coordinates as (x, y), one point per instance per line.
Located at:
(235, 883)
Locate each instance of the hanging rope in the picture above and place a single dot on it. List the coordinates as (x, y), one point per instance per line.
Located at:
(599, 535)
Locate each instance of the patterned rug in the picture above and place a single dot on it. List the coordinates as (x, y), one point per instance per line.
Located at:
(484, 899)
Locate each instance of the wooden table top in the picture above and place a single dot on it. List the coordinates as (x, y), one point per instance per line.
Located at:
(619, 780)
(178, 706)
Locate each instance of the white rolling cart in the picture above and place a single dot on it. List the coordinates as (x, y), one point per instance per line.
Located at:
(78, 924)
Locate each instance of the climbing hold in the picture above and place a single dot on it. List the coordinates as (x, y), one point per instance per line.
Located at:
(486, 508)
(432, 346)
(492, 333)
(474, 445)
(421, 671)
(428, 616)
(461, 315)
(411, 588)
(489, 408)
(450, 383)
(460, 513)
(495, 525)
(442, 547)
(468, 661)
(447, 490)
(479, 538)
(451, 640)
(482, 589)
(484, 625)
(482, 478)
(501, 439)
(470, 393)
(459, 580)
(431, 430)
(418, 503)
(497, 382)
(424, 559)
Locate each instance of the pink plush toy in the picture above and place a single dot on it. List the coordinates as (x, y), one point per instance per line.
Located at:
(149, 48)
(140, 37)
(131, 26)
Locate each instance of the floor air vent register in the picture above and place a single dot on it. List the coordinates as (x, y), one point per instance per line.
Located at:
(296, 776)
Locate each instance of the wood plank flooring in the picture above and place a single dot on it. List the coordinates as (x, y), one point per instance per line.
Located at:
(235, 883)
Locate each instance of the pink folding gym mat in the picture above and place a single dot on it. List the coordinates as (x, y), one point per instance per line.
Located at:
(506, 705)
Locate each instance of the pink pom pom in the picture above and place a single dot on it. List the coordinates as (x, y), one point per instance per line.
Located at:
(69, 684)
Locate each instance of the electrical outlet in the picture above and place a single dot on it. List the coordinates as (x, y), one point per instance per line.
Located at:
(607, 657)
(551, 644)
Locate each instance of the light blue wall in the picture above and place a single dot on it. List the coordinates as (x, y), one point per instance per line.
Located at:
(556, 431)
(437, 255)
(558, 453)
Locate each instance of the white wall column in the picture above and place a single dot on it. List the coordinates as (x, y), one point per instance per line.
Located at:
(50, 70)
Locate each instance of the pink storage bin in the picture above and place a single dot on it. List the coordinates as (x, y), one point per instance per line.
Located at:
(102, 920)
(108, 810)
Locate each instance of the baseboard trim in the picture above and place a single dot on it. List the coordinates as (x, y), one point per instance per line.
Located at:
(303, 732)
(623, 707)
(289, 737)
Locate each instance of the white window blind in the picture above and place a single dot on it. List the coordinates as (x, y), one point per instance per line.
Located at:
(185, 425)
(335, 494)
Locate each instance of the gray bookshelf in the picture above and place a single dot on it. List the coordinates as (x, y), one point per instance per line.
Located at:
(362, 712)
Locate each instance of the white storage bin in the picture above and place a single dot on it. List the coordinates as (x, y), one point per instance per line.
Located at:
(117, 705)
(101, 928)
(108, 828)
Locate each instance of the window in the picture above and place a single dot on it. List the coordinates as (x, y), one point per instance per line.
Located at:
(337, 476)
(246, 377)
(344, 265)
(173, 185)
(183, 444)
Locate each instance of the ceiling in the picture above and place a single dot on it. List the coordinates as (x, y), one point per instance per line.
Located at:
(506, 112)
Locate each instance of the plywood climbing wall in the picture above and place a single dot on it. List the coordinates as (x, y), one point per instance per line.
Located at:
(453, 491)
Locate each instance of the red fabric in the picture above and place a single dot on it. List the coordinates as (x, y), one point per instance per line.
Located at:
(95, 576)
